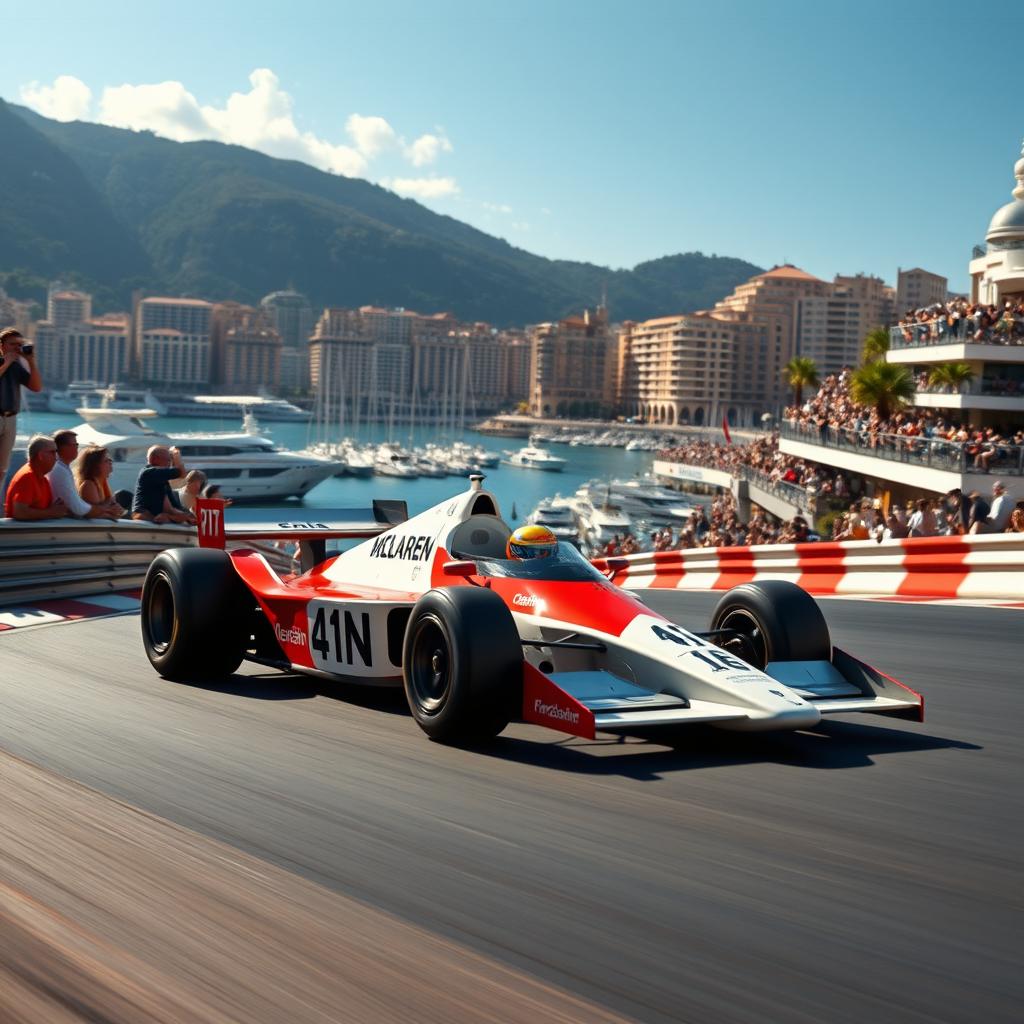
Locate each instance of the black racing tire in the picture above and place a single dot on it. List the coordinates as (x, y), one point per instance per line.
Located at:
(778, 620)
(462, 665)
(196, 614)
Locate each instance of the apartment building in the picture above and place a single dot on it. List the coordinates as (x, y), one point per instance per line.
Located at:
(246, 349)
(918, 288)
(573, 366)
(172, 345)
(830, 327)
(98, 350)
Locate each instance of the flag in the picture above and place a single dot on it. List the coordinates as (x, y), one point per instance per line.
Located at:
(725, 429)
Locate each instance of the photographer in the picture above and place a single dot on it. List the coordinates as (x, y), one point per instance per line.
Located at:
(17, 368)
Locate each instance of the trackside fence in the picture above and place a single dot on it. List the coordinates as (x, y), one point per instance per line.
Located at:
(76, 558)
(988, 567)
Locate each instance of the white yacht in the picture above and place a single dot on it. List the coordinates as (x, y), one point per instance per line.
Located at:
(248, 466)
(601, 523)
(558, 516)
(532, 457)
(91, 395)
(233, 406)
(391, 460)
(75, 395)
(642, 498)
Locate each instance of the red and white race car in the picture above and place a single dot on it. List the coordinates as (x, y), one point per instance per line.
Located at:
(479, 639)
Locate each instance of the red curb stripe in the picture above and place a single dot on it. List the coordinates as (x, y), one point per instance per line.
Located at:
(821, 566)
(68, 608)
(735, 565)
(935, 567)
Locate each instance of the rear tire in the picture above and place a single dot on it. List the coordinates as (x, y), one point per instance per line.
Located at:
(462, 665)
(196, 614)
(778, 620)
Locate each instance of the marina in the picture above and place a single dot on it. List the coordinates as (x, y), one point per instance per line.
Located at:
(359, 483)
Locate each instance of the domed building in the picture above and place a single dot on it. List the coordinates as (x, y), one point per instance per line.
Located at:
(999, 273)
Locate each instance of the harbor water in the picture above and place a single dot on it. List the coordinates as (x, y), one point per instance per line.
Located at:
(521, 488)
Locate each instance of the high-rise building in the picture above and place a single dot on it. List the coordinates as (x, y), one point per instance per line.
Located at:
(769, 300)
(686, 370)
(398, 364)
(172, 342)
(573, 366)
(918, 288)
(98, 351)
(293, 318)
(830, 327)
(246, 349)
(66, 307)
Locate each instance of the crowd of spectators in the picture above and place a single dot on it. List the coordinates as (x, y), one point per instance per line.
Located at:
(58, 480)
(832, 409)
(961, 321)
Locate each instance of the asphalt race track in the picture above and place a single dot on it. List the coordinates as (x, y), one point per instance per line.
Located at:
(868, 871)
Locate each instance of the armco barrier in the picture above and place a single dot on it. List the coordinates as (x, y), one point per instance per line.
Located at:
(989, 567)
(76, 558)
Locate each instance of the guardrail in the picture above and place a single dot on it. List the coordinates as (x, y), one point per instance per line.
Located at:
(961, 332)
(989, 567)
(949, 456)
(75, 558)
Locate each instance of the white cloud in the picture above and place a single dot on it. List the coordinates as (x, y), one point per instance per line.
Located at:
(422, 188)
(68, 99)
(426, 149)
(496, 207)
(262, 118)
(372, 135)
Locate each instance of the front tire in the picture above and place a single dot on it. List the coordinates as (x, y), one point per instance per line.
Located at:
(776, 621)
(462, 665)
(195, 614)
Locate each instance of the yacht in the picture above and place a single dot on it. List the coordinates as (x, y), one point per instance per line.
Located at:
(248, 466)
(75, 395)
(233, 406)
(391, 460)
(642, 498)
(600, 524)
(558, 516)
(91, 395)
(532, 457)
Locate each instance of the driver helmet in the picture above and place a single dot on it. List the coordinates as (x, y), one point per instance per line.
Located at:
(531, 541)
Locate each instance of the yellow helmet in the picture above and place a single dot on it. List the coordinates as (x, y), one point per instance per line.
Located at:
(531, 541)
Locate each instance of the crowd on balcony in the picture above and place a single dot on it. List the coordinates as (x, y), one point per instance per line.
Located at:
(960, 321)
(833, 413)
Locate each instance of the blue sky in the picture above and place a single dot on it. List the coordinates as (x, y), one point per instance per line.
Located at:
(842, 137)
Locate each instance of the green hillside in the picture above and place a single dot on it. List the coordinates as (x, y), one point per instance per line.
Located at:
(116, 210)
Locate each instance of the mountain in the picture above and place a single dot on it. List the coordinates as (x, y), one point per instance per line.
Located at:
(117, 210)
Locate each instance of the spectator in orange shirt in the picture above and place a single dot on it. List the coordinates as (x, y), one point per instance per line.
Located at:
(29, 496)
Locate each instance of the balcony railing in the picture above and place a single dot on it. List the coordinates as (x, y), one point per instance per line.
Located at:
(949, 456)
(793, 494)
(960, 332)
(986, 388)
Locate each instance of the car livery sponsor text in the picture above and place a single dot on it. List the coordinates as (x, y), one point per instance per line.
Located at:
(291, 635)
(410, 547)
(526, 600)
(554, 711)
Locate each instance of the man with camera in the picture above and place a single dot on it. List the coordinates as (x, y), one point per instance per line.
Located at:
(17, 367)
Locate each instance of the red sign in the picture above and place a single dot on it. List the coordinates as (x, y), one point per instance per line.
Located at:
(210, 521)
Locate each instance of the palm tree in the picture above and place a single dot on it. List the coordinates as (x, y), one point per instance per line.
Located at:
(951, 376)
(799, 373)
(886, 386)
(875, 345)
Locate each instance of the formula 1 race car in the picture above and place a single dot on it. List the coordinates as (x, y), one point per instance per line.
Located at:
(479, 639)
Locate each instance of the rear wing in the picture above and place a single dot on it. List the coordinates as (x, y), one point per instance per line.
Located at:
(310, 527)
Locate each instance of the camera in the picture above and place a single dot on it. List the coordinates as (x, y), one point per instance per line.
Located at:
(28, 348)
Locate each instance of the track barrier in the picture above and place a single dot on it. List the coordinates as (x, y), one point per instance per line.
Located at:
(66, 558)
(983, 567)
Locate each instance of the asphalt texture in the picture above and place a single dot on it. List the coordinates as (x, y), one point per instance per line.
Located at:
(868, 870)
